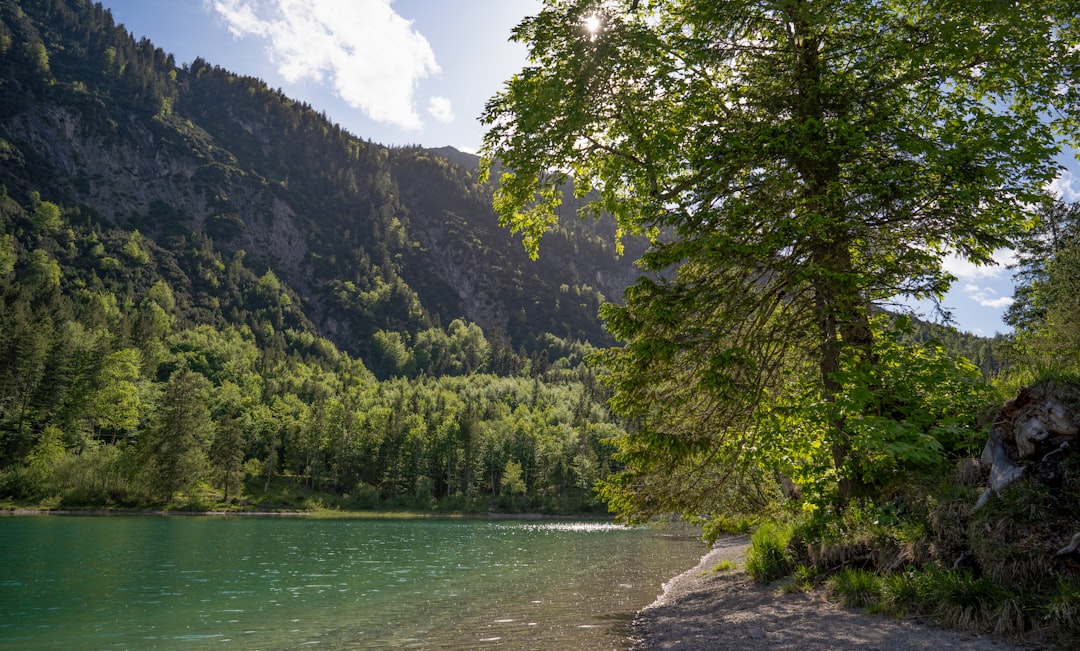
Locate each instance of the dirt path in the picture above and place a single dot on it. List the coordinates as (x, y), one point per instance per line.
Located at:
(702, 610)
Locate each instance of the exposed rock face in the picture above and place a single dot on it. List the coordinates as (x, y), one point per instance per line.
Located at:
(1037, 429)
(1026, 525)
(462, 267)
(120, 175)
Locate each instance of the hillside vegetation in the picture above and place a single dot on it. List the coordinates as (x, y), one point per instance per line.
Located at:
(205, 283)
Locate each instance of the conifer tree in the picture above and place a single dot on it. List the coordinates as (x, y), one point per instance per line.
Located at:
(174, 449)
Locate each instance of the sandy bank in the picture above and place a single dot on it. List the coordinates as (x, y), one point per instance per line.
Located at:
(701, 610)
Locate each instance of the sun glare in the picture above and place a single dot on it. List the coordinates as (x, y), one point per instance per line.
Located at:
(593, 24)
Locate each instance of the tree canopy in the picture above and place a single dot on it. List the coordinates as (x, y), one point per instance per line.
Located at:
(1047, 276)
(796, 163)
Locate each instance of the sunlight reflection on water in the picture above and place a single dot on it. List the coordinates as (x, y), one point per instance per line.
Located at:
(576, 527)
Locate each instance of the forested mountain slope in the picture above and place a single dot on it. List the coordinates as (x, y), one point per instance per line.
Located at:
(203, 282)
(220, 172)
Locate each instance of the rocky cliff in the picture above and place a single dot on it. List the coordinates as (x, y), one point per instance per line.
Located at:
(364, 237)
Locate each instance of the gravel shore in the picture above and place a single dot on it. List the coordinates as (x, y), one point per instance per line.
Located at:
(702, 610)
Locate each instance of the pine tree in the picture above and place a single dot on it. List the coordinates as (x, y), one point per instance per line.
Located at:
(174, 449)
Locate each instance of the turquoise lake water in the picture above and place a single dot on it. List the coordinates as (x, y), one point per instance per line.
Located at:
(176, 582)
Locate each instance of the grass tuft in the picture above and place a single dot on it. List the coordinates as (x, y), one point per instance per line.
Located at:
(769, 558)
(1063, 606)
(966, 602)
(855, 588)
(725, 565)
(906, 593)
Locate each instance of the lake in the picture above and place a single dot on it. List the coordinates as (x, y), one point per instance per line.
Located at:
(205, 582)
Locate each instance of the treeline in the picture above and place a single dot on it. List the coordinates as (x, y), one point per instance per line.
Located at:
(1044, 314)
(112, 394)
(989, 354)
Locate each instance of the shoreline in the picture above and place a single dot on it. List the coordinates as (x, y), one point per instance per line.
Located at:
(17, 512)
(66, 512)
(702, 610)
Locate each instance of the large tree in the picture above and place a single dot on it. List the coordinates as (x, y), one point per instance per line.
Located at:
(174, 448)
(796, 162)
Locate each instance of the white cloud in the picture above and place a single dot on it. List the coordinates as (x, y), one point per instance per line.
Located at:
(370, 54)
(998, 303)
(240, 18)
(441, 110)
(965, 270)
(1066, 186)
(987, 296)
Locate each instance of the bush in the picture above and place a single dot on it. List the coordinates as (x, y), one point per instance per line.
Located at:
(718, 525)
(855, 588)
(769, 558)
(364, 496)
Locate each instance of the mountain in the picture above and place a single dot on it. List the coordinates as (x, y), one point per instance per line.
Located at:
(209, 289)
(256, 210)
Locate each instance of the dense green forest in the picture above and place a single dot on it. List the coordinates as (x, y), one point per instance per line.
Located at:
(210, 293)
(108, 399)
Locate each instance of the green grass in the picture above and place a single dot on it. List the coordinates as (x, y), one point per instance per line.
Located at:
(804, 578)
(964, 601)
(905, 593)
(769, 558)
(957, 599)
(855, 588)
(725, 565)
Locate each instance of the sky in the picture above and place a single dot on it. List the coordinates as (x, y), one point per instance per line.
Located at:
(396, 72)
(418, 72)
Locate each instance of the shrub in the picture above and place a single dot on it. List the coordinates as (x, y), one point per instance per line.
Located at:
(855, 588)
(769, 558)
(364, 496)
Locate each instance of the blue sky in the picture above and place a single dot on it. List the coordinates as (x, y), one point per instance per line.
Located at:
(397, 73)
(403, 72)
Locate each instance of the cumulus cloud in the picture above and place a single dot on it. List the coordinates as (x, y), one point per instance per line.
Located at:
(1066, 186)
(441, 110)
(371, 55)
(987, 296)
(965, 270)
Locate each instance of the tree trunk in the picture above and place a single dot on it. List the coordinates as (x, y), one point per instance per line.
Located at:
(843, 324)
(843, 321)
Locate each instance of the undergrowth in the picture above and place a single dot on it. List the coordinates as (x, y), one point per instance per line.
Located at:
(769, 557)
(924, 554)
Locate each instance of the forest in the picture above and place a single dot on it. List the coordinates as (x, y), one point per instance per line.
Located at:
(211, 296)
(109, 401)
